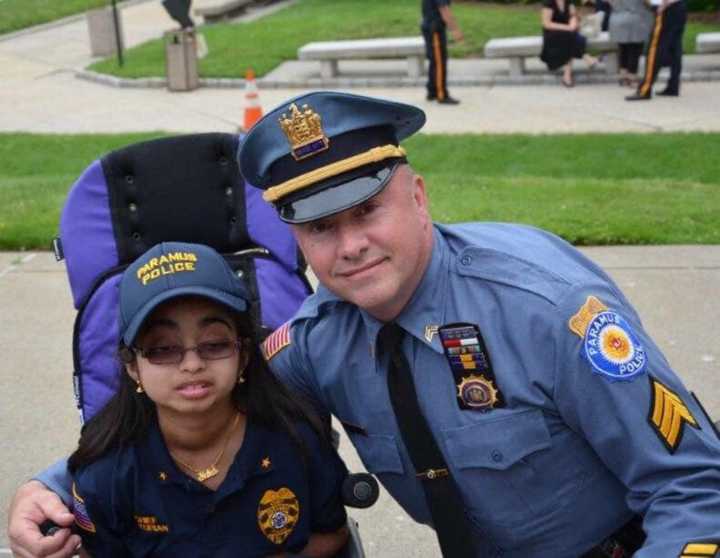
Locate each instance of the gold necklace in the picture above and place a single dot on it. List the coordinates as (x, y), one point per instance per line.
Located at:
(210, 471)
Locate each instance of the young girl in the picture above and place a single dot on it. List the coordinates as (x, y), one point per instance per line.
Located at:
(202, 452)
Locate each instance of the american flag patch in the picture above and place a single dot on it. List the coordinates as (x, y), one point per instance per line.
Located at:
(80, 512)
(276, 341)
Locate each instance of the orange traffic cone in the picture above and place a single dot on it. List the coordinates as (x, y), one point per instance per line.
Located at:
(253, 110)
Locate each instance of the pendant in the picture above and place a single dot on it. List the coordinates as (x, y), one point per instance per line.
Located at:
(205, 474)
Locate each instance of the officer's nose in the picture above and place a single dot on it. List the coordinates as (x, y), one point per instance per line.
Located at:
(352, 241)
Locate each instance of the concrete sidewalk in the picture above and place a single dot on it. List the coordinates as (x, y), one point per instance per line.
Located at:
(675, 288)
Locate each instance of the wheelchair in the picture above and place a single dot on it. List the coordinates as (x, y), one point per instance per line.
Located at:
(189, 189)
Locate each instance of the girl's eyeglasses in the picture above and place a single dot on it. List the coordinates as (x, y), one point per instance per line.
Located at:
(174, 354)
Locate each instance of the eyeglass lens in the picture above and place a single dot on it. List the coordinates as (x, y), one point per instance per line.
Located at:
(174, 354)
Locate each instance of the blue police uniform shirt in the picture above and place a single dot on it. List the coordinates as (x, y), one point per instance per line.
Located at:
(136, 502)
(589, 434)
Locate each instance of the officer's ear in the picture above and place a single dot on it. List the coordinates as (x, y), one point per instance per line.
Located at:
(419, 194)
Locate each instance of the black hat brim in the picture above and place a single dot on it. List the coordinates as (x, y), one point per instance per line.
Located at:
(337, 193)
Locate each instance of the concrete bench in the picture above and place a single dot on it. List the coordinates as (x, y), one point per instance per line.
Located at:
(216, 10)
(516, 49)
(330, 52)
(707, 42)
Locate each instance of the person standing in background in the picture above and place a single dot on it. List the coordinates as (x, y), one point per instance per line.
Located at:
(665, 49)
(630, 25)
(436, 18)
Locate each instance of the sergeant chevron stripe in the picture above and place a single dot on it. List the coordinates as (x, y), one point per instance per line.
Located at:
(668, 415)
(705, 549)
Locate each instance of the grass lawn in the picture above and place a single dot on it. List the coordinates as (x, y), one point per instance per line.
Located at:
(591, 189)
(266, 43)
(18, 14)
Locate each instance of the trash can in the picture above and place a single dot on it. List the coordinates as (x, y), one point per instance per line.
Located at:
(101, 28)
(181, 60)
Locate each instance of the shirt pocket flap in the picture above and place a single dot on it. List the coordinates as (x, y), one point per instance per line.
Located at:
(498, 443)
(379, 453)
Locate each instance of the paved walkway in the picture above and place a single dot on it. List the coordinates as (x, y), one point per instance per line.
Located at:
(675, 288)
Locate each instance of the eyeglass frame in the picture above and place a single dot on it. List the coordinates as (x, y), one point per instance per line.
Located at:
(236, 344)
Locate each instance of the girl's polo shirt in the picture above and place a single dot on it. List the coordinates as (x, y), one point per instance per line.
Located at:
(136, 502)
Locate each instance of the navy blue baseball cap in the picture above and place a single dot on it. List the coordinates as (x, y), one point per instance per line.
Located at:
(324, 152)
(172, 269)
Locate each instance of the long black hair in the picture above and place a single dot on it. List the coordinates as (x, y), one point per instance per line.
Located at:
(262, 397)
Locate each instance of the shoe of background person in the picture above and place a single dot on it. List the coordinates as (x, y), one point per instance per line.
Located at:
(668, 93)
(429, 97)
(637, 97)
(448, 101)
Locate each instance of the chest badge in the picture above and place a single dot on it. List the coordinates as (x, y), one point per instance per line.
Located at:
(470, 365)
(278, 513)
(478, 392)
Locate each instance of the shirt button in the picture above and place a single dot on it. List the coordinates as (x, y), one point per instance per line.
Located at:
(466, 260)
(497, 456)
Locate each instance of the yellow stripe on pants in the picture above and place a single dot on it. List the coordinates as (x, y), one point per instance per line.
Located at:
(439, 74)
(652, 55)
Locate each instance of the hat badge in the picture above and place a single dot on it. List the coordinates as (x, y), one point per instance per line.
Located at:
(304, 132)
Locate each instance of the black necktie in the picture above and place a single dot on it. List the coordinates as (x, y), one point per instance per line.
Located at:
(443, 497)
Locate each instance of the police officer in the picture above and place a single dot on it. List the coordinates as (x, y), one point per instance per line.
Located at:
(664, 49)
(484, 368)
(437, 16)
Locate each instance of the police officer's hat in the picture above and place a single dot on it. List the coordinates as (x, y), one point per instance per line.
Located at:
(324, 152)
(173, 269)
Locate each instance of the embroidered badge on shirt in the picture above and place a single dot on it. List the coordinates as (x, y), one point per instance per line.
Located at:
(471, 367)
(668, 415)
(276, 341)
(265, 463)
(705, 549)
(82, 519)
(150, 524)
(609, 342)
(278, 513)
(580, 321)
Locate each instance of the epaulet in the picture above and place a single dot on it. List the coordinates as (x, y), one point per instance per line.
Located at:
(276, 341)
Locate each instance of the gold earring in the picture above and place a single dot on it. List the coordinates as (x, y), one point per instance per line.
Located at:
(139, 388)
(241, 379)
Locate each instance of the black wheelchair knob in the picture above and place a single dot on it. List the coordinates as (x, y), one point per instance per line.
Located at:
(360, 490)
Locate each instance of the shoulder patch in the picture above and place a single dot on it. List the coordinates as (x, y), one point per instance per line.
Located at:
(82, 519)
(609, 342)
(276, 341)
(668, 416)
(580, 321)
(705, 549)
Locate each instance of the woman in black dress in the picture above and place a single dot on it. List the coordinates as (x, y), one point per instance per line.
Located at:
(561, 40)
